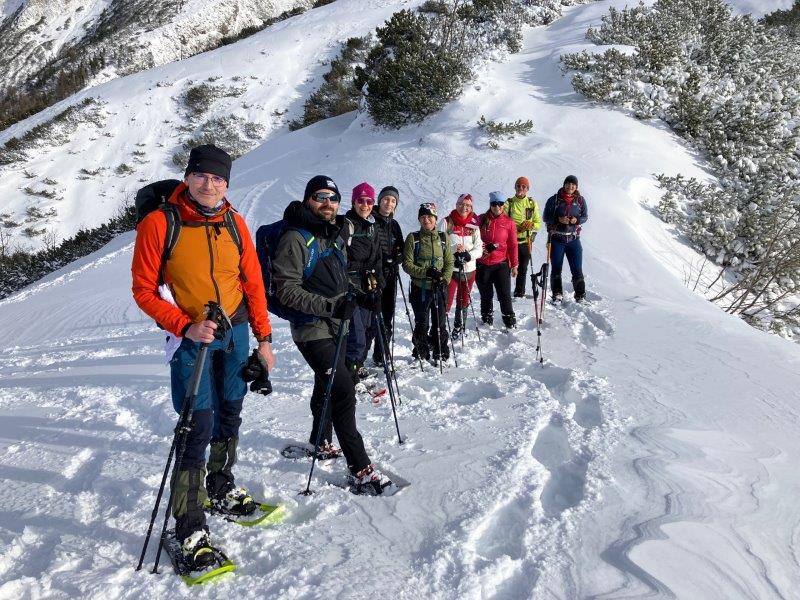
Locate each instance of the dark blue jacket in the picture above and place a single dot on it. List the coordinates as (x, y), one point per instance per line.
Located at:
(556, 207)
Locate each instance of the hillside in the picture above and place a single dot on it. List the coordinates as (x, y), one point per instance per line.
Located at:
(652, 455)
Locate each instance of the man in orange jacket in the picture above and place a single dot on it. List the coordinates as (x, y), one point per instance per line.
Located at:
(206, 263)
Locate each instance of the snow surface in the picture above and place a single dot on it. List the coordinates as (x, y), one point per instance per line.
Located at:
(653, 455)
(759, 8)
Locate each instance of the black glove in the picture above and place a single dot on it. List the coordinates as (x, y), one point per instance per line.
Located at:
(256, 372)
(344, 307)
(433, 274)
(370, 300)
(461, 258)
(491, 247)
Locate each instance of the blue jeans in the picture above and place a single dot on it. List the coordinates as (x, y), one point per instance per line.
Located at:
(218, 405)
(574, 253)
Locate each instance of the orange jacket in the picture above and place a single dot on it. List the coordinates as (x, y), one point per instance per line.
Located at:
(204, 265)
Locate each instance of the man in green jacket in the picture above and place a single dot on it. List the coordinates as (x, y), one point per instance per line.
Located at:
(428, 259)
(525, 213)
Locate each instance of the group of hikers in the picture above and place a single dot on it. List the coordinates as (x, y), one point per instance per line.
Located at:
(197, 272)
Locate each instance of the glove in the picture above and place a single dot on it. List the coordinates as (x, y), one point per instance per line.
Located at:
(491, 247)
(462, 258)
(344, 307)
(433, 274)
(256, 372)
(370, 300)
(526, 226)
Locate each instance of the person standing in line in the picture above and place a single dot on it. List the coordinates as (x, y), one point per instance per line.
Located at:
(524, 211)
(428, 259)
(213, 258)
(499, 261)
(463, 229)
(390, 238)
(365, 270)
(323, 294)
(564, 213)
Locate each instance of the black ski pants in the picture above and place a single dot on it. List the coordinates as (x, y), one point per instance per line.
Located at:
(522, 272)
(424, 303)
(493, 278)
(319, 356)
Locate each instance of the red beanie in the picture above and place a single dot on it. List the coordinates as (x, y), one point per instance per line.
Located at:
(524, 181)
(363, 190)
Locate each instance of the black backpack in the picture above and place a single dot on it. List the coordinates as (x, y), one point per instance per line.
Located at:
(154, 197)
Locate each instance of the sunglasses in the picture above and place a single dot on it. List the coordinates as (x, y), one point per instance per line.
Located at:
(365, 200)
(321, 197)
(496, 203)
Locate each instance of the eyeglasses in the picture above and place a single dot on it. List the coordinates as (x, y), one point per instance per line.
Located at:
(521, 186)
(215, 180)
(467, 199)
(321, 197)
(365, 200)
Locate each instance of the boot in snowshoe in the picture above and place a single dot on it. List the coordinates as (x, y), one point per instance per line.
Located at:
(420, 341)
(198, 553)
(236, 502)
(555, 286)
(370, 482)
(487, 318)
(510, 321)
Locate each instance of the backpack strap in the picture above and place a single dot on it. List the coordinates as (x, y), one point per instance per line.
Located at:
(230, 222)
(416, 245)
(173, 218)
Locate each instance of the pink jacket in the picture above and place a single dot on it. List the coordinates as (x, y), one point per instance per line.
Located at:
(502, 232)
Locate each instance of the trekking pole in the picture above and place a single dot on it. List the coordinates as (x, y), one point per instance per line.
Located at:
(535, 283)
(182, 429)
(391, 361)
(447, 322)
(435, 291)
(340, 338)
(382, 344)
(474, 317)
(540, 311)
(461, 278)
(408, 314)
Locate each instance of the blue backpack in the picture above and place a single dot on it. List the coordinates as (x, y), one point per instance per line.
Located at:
(267, 239)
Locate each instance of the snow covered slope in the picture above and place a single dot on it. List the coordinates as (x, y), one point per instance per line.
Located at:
(141, 120)
(653, 455)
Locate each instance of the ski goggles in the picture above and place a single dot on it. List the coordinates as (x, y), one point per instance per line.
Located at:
(321, 197)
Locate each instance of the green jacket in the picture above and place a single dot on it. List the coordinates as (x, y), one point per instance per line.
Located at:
(429, 254)
(524, 209)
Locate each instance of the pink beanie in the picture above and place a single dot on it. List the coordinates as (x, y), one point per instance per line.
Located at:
(363, 190)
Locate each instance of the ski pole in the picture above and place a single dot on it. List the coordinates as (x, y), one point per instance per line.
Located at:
(381, 322)
(182, 429)
(462, 278)
(447, 322)
(408, 314)
(435, 290)
(340, 338)
(386, 360)
(474, 316)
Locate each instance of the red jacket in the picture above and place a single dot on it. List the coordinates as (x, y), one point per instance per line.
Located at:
(502, 232)
(205, 265)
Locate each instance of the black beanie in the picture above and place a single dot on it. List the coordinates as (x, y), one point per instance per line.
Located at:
(427, 209)
(320, 182)
(571, 179)
(209, 159)
(389, 190)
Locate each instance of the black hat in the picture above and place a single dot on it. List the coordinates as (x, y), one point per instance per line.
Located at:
(320, 182)
(389, 190)
(209, 159)
(427, 209)
(571, 179)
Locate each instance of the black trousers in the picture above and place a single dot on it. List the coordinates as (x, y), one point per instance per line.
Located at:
(319, 356)
(424, 307)
(495, 278)
(524, 261)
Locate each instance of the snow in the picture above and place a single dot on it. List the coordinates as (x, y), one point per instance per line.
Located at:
(759, 8)
(653, 454)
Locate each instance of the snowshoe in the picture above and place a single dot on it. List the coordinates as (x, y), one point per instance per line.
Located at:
(237, 506)
(327, 451)
(510, 321)
(371, 482)
(195, 560)
(557, 299)
(487, 318)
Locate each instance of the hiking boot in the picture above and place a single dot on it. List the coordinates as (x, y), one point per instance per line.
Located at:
(369, 481)
(197, 551)
(579, 285)
(487, 318)
(456, 333)
(519, 294)
(236, 501)
(363, 373)
(510, 321)
(555, 286)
